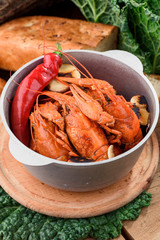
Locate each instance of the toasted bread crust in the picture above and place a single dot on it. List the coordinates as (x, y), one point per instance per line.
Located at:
(23, 39)
(2, 84)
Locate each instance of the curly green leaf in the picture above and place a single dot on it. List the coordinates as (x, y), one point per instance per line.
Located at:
(20, 223)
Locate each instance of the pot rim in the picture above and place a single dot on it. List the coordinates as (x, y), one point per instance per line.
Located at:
(46, 160)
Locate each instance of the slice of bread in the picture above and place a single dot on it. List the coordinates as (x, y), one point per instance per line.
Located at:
(155, 80)
(2, 84)
(23, 39)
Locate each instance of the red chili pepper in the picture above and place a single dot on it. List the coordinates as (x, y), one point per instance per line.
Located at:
(27, 92)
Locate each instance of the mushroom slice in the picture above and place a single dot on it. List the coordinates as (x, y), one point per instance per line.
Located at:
(144, 116)
(140, 107)
(66, 70)
(139, 101)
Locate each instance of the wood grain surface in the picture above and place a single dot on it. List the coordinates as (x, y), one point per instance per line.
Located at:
(32, 193)
(1, 147)
(119, 238)
(147, 226)
(15, 8)
(148, 223)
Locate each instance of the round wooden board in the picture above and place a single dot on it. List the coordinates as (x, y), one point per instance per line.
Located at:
(32, 193)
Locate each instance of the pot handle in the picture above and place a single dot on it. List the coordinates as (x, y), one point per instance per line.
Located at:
(25, 156)
(126, 58)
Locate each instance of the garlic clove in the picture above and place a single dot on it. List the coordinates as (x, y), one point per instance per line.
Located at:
(111, 151)
(57, 86)
(66, 70)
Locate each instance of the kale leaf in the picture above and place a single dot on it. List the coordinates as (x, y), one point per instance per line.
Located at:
(154, 6)
(20, 223)
(99, 10)
(145, 26)
(128, 43)
(139, 24)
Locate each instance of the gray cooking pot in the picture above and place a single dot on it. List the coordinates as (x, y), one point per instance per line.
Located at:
(126, 75)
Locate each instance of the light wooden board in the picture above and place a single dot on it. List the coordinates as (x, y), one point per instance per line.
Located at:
(30, 192)
(119, 238)
(147, 226)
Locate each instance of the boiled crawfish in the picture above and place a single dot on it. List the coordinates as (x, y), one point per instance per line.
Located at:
(124, 127)
(47, 132)
(88, 121)
(85, 135)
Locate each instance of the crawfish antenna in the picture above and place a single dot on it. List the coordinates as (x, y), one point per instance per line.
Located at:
(43, 36)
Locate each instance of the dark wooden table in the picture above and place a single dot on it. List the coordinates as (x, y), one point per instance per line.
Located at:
(147, 226)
